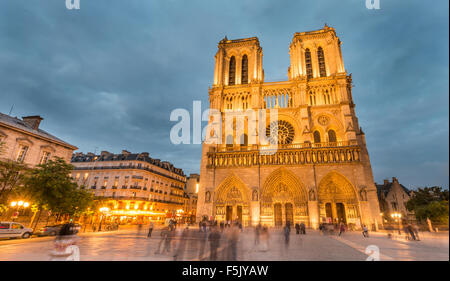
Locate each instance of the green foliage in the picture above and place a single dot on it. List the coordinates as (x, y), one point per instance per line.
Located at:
(50, 185)
(430, 202)
(12, 175)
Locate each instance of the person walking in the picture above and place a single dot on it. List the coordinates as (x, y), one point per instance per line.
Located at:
(341, 228)
(164, 233)
(168, 241)
(297, 228)
(214, 239)
(287, 233)
(150, 230)
(201, 237)
(257, 233)
(416, 231)
(179, 253)
(302, 228)
(233, 237)
(411, 232)
(264, 245)
(365, 231)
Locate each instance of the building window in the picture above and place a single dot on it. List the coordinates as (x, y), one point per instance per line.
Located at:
(321, 58)
(309, 72)
(232, 71)
(316, 137)
(85, 176)
(332, 136)
(77, 176)
(244, 69)
(22, 153)
(44, 158)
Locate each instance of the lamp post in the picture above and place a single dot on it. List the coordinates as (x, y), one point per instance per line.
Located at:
(103, 210)
(18, 205)
(397, 216)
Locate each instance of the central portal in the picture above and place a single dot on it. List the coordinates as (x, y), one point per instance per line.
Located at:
(278, 214)
(289, 211)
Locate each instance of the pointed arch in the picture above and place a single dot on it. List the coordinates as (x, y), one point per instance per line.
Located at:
(335, 187)
(321, 58)
(232, 71)
(244, 70)
(232, 189)
(308, 64)
(288, 183)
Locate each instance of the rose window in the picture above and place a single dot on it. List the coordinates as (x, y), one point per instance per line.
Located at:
(280, 132)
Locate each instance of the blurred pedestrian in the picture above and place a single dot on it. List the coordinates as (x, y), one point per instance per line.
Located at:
(297, 228)
(302, 228)
(257, 233)
(179, 253)
(411, 232)
(416, 231)
(341, 228)
(233, 237)
(264, 246)
(365, 231)
(201, 238)
(163, 234)
(168, 241)
(214, 239)
(286, 233)
(150, 230)
(65, 246)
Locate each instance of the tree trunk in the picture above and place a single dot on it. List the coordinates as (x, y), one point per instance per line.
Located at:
(37, 221)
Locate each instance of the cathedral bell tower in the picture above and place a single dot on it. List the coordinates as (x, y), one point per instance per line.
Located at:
(238, 62)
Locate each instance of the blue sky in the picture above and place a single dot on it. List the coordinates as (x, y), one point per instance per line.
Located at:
(107, 76)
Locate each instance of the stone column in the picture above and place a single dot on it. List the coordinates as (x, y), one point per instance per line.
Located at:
(314, 215)
(333, 211)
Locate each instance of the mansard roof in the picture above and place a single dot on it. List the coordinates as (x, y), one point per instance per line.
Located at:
(126, 156)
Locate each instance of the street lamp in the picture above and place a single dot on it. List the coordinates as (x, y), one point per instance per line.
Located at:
(18, 204)
(397, 216)
(103, 210)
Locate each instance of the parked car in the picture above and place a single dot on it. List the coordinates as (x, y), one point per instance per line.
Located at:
(14, 230)
(52, 230)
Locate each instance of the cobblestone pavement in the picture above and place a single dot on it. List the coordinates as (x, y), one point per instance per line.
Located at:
(133, 245)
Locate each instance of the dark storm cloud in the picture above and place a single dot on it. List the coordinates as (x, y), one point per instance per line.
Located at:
(107, 76)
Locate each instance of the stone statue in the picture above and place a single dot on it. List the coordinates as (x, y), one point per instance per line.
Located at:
(312, 195)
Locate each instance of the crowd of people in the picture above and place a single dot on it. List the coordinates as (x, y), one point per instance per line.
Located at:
(213, 240)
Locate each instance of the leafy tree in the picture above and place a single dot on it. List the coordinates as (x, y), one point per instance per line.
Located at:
(430, 202)
(11, 178)
(51, 185)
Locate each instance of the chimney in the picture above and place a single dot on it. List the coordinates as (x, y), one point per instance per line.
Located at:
(104, 152)
(394, 179)
(386, 182)
(33, 121)
(125, 152)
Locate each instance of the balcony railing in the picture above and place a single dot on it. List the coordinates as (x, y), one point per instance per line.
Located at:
(237, 147)
(292, 154)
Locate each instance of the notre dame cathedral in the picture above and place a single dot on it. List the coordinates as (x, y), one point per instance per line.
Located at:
(320, 171)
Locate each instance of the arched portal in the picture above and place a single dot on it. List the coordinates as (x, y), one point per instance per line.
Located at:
(337, 200)
(283, 199)
(232, 201)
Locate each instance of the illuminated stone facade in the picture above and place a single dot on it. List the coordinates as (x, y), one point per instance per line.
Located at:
(320, 171)
(134, 186)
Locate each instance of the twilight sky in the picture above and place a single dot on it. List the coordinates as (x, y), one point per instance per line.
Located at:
(107, 76)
